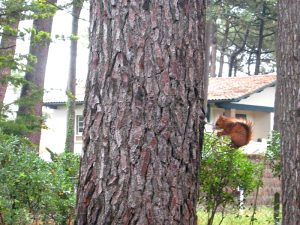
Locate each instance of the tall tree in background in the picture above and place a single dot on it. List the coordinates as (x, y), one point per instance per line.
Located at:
(233, 61)
(39, 48)
(287, 110)
(11, 12)
(222, 48)
(211, 41)
(143, 113)
(71, 88)
(261, 20)
(7, 52)
(245, 35)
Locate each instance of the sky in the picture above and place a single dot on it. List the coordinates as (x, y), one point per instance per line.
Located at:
(58, 57)
(59, 52)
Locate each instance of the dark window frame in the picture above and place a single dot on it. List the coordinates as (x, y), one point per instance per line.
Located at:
(79, 124)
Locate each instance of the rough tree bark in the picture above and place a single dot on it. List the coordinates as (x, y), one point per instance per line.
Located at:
(143, 113)
(37, 74)
(287, 110)
(71, 88)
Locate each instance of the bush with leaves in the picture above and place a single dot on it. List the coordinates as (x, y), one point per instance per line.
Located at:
(61, 203)
(223, 171)
(32, 189)
(273, 158)
(273, 153)
(21, 124)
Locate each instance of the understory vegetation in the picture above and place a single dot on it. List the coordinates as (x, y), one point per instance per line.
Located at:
(32, 189)
(225, 171)
(264, 216)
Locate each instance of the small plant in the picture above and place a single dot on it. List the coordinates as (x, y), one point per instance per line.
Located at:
(273, 158)
(273, 153)
(20, 124)
(223, 171)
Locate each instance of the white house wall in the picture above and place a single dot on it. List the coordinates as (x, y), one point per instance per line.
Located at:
(54, 137)
(262, 124)
(214, 114)
(262, 121)
(263, 98)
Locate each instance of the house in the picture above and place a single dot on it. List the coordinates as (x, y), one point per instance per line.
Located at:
(56, 113)
(250, 97)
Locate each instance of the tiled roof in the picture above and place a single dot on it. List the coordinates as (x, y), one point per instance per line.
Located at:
(234, 88)
(219, 89)
(59, 97)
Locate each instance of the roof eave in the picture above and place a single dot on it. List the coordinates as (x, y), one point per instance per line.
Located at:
(54, 105)
(243, 96)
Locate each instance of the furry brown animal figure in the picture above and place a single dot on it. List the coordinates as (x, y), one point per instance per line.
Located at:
(239, 130)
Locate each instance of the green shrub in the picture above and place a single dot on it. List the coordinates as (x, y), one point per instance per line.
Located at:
(273, 153)
(223, 170)
(33, 189)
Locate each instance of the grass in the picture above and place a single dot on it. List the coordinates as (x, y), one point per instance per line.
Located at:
(263, 216)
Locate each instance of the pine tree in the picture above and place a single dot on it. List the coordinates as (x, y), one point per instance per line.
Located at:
(143, 113)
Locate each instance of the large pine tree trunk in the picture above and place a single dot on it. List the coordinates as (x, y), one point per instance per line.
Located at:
(143, 113)
(71, 88)
(36, 75)
(287, 110)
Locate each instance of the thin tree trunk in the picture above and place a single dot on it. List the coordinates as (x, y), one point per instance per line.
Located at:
(223, 48)
(207, 55)
(143, 113)
(276, 209)
(212, 216)
(7, 50)
(249, 62)
(287, 109)
(71, 88)
(213, 55)
(208, 30)
(36, 77)
(235, 68)
(232, 61)
(260, 39)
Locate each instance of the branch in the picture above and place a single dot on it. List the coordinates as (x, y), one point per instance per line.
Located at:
(8, 47)
(269, 34)
(63, 9)
(8, 35)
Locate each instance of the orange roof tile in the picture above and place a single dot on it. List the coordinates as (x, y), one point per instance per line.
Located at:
(230, 88)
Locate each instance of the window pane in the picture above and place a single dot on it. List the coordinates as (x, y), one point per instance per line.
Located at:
(241, 116)
(79, 124)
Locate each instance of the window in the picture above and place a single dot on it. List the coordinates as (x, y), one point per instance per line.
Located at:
(79, 124)
(241, 116)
